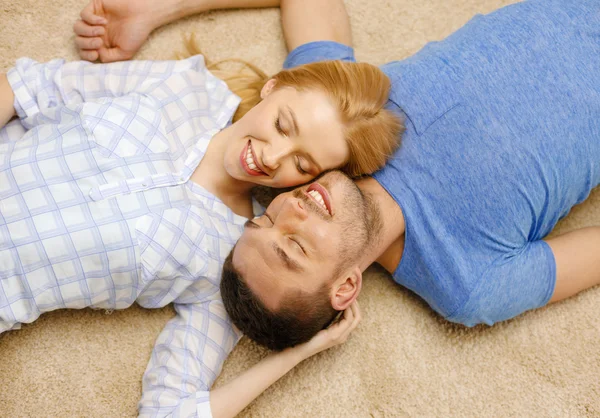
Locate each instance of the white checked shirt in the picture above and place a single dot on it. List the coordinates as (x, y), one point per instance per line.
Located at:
(96, 209)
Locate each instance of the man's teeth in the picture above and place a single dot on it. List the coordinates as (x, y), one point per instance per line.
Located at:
(250, 160)
(317, 196)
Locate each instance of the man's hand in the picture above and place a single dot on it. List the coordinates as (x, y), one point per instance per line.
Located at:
(334, 335)
(114, 30)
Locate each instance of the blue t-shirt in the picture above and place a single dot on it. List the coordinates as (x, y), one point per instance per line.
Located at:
(502, 139)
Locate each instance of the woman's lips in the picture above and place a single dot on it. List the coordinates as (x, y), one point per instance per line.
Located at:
(248, 160)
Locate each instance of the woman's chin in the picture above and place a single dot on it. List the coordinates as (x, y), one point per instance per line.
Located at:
(259, 181)
(247, 178)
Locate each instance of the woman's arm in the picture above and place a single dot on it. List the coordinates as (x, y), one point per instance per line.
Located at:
(231, 399)
(7, 100)
(190, 351)
(186, 359)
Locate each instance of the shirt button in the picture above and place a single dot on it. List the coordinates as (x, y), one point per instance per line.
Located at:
(181, 178)
(144, 185)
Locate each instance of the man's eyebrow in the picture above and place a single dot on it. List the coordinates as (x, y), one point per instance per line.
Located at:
(294, 121)
(251, 224)
(289, 263)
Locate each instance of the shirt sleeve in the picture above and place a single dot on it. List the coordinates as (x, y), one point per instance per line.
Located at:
(186, 360)
(39, 86)
(319, 51)
(516, 283)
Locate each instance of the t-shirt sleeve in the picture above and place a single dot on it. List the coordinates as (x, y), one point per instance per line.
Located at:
(519, 282)
(319, 51)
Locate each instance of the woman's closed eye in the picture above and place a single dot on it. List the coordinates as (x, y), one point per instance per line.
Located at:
(278, 127)
(299, 163)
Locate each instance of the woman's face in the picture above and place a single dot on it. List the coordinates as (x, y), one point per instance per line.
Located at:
(289, 138)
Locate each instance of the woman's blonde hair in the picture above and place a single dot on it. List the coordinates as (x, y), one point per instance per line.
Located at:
(358, 90)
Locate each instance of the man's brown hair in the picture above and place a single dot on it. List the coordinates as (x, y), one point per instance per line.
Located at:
(302, 315)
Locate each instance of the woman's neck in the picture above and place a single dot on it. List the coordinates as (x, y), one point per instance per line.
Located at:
(211, 175)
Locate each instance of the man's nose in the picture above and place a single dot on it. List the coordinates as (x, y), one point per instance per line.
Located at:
(294, 209)
(275, 153)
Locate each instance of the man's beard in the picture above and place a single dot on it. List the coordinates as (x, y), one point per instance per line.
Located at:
(362, 229)
(361, 226)
(360, 218)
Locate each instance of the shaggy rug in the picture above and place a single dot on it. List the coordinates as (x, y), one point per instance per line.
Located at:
(403, 360)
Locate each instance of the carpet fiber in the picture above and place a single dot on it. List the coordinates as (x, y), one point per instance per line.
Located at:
(402, 361)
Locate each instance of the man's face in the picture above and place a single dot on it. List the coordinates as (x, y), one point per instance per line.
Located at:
(307, 238)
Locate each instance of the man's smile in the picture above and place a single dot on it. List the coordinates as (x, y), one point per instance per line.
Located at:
(320, 195)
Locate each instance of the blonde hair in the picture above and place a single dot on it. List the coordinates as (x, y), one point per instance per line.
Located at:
(358, 90)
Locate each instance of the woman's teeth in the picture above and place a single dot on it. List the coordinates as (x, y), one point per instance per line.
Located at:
(250, 160)
(317, 196)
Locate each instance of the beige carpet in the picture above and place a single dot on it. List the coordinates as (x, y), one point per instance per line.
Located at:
(402, 361)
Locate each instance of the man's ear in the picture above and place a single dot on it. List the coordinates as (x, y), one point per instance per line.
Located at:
(346, 289)
(267, 88)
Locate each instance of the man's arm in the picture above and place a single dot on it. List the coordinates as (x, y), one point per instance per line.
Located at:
(530, 277)
(114, 30)
(307, 21)
(577, 256)
(7, 99)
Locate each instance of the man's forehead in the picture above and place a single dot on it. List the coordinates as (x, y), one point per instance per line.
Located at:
(259, 273)
(247, 245)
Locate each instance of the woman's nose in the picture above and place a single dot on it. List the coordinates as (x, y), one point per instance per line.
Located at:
(274, 154)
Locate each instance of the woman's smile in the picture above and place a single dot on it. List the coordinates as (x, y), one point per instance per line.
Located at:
(249, 161)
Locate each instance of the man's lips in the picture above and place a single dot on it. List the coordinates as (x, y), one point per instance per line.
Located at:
(249, 161)
(320, 196)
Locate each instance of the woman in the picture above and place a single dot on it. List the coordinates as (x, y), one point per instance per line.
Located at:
(125, 183)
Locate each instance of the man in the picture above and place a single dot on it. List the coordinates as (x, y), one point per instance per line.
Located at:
(501, 141)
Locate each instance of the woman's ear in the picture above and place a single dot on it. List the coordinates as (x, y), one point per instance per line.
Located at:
(268, 88)
(346, 290)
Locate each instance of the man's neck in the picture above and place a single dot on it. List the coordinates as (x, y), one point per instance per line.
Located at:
(386, 249)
